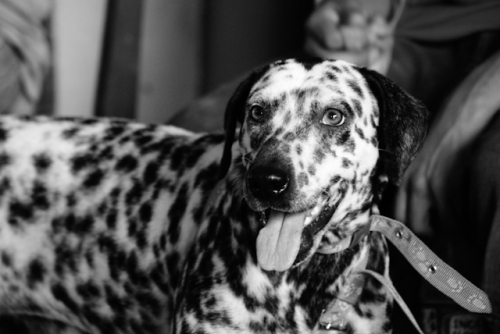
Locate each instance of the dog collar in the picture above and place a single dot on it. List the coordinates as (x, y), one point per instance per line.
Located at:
(348, 242)
(422, 259)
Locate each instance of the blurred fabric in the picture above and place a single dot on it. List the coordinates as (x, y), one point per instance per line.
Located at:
(25, 54)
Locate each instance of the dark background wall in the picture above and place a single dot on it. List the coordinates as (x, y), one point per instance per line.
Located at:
(242, 34)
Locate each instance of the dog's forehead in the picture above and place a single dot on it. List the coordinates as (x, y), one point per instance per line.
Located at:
(324, 80)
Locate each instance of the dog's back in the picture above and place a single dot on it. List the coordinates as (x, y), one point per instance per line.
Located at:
(96, 218)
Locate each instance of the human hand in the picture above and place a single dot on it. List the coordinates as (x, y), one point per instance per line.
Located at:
(338, 30)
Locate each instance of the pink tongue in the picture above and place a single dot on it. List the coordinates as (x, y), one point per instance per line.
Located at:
(278, 242)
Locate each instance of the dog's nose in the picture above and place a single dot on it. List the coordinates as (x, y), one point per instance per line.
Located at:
(267, 182)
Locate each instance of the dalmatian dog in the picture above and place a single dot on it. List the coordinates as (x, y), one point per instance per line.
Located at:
(109, 226)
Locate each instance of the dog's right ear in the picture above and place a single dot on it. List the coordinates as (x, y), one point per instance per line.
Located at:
(235, 113)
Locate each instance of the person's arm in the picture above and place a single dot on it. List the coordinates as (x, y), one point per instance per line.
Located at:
(24, 53)
(467, 113)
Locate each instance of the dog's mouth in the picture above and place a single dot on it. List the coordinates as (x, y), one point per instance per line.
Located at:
(287, 237)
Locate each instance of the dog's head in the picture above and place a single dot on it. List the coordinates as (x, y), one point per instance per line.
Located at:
(316, 139)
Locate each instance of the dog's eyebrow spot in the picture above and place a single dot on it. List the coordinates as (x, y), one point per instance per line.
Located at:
(331, 76)
(354, 86)
(347, 108)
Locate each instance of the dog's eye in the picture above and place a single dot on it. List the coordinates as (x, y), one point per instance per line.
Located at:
(257, 112)
(333, 117)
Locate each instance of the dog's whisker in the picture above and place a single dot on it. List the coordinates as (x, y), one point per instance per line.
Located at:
(386, 151)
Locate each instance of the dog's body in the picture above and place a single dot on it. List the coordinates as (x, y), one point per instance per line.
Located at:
(115, 227)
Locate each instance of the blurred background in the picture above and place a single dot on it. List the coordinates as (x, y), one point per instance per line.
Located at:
(146, 59)
(150, 59)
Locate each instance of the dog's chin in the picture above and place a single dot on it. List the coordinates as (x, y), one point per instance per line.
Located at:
(287, 239)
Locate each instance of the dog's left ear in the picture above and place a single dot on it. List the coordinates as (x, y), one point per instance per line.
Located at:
(402, 124)
(235, 113)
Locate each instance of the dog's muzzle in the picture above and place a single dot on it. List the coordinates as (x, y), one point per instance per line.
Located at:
(288, 236)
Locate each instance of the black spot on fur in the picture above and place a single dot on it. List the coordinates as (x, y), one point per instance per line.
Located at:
(83, 225)
(117, 263)
(346, 163)
(350, 145)
(70, 221)
(279, 130)
(335, 179)
(357, 107)
(331, 76)
(355, 87)
(70, 133)
(145, 213)
(117, 304)
(4, 160)
(65, 258)
(5, 186)
(88, 290)
(149, 301)
(111, 219)
(93, 179)
(36, 272)
(151, 173)
(126, 164)
(83, 161)
(3, 134)
(302, 179)
(6, 258)
(136, 275)
(141, 239)
(113, 132)
(344, 137)
(289, 136)
(318, 156)
(134, 194)
(132, 227)
(172, 264)
(176, 212)
(42, 162)
(143, 140)
(298, 149)
(107, 244)
(105, 325)
(19, 211)
(158, 275)
(177, 157)
(40, 196)
(71, 200)
(60, 293)
(359, 132)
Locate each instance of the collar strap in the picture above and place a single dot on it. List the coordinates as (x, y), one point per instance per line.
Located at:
(425, 262)
(431, 267)
(359, 234)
